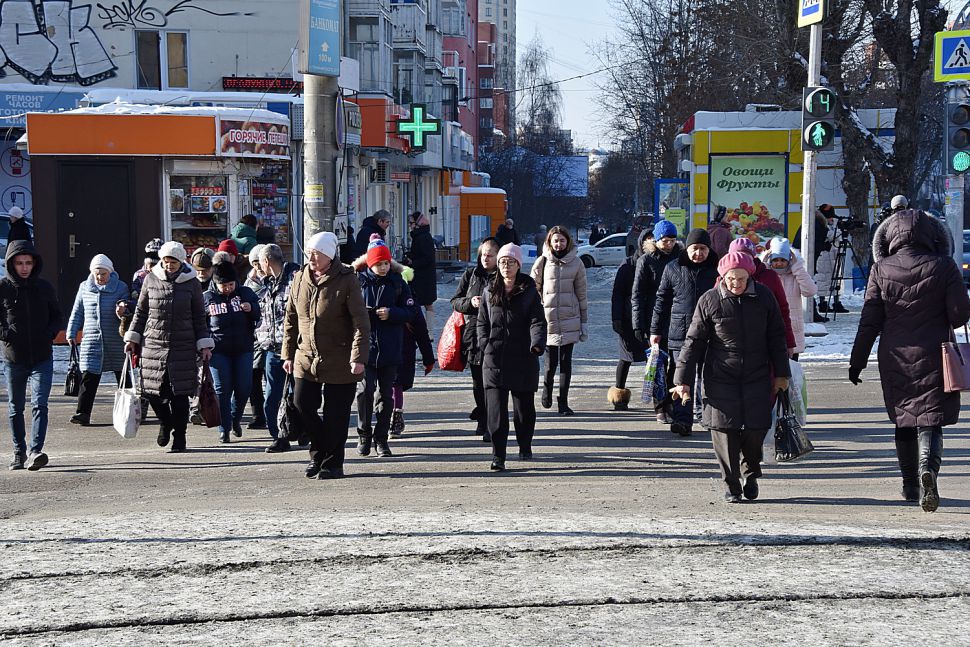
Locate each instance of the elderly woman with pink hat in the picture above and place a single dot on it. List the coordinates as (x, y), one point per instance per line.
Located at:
(511, 329)
(739, 332)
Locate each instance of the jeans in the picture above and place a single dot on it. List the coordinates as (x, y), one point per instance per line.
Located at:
(232, 375)
(275, 379)
(40, 376)
(328, 435)
(379, 379)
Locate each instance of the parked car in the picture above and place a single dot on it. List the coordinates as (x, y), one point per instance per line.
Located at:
(609, 251)
(966, 257)
(4, 231)
(640, 223)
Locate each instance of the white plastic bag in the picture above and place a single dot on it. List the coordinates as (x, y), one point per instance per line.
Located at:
(126, 413)
(798, 391)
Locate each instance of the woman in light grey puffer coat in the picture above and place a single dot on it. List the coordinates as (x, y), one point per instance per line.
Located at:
(560, 277)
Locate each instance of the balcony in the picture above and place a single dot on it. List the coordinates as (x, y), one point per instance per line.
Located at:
(366, 7)
(409, 26)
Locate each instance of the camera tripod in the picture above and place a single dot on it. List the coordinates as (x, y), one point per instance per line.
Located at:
(838, 273)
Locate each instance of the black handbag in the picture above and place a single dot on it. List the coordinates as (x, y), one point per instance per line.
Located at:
(791, 441)
(288, 419)
(72, 382)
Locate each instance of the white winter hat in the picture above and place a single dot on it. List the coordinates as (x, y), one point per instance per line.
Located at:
(254, 253)
(899, 202)
(173, 249)
(15, 213)
(324, 242)
(101, 261)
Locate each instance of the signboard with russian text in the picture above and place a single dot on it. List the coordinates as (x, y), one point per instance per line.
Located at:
(253, 139)
(753, 190)
(14, 106)
(320, 27)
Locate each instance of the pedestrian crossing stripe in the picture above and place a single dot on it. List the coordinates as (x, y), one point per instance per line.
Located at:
(952, 59)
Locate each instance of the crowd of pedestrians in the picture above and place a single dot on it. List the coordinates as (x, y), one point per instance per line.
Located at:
(329, 334)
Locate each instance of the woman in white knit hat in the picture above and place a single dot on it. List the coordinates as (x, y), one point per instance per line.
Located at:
(101, 348)
(168, 332)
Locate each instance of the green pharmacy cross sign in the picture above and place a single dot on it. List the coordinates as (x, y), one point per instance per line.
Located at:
(418, 126)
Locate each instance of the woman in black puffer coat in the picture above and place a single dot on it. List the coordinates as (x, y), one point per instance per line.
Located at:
(682, 284)
(738, 332)
(512, 335)
(168, 331)
(467, 301)
(914, 300)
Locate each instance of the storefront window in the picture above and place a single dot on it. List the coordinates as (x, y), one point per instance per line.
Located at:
(270, 195)
(199, 206)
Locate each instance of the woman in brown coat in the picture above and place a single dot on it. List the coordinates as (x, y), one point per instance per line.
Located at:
(326, 336)
(914, 300)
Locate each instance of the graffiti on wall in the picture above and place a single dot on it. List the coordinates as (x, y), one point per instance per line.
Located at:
(138, 13)
(51, 40)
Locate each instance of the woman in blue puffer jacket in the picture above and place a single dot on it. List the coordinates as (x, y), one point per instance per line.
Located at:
(233, 312)
(95, 313)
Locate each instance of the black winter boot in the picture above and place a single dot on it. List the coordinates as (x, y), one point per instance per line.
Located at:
(563, 399)
(364, 439)
(564, 409)
(816, 316)
(546, 395)
(907, 452)
(930, 459)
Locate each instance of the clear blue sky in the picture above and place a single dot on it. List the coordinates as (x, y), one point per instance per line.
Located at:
(568, 28)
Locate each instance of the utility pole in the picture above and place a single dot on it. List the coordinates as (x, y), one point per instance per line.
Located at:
(320, 153)
(810, 170)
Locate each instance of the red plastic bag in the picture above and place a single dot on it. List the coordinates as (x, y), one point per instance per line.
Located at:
(449, 345)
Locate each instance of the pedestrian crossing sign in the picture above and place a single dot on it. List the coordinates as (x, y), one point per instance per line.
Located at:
(952, 56)
(811, 12)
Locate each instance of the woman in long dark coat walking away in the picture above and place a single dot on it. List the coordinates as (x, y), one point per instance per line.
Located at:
(738, 331)
(914, 300)
(421, 256)
(512, 336)
(468, 300)
(168, 332)
(631, 349)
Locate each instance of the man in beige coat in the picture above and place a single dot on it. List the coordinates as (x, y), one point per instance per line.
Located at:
(325, 346)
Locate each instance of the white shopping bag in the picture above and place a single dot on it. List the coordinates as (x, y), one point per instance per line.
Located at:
(126, 414)
(799, 392)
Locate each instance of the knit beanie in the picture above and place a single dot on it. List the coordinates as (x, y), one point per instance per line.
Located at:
(743, 244)
(172, 249)
(15, 213)
(377, 251)
(324, 242)
(698, 237)
(152, 247)
(664, 229)
(228, 245)
(735, 261)
(254, 253)
(779, 247)
(101, 262)
(512, 251)
(224, 273)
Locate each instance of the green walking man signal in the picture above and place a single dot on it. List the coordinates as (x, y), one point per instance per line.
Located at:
(818, 119)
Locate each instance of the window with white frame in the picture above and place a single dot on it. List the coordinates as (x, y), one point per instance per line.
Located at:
(485, 102)
(161, 59)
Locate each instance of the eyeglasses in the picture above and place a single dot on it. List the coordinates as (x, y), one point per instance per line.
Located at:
(507, 261)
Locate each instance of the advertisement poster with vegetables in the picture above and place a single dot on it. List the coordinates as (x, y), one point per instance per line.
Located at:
(754, 193)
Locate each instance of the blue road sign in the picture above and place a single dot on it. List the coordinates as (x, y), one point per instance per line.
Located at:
(810, 12)
(952, 56)
(323, 38)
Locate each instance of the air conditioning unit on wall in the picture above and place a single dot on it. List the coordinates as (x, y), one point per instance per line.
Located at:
(380, 174)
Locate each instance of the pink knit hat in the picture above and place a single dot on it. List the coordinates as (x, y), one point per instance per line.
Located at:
(512, 250)
(735, 261)
(743, 245)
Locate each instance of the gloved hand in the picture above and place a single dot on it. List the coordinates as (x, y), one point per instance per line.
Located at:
(407, 274)
(854, 374)
(618, 327)
(641, 335)
(584, 332)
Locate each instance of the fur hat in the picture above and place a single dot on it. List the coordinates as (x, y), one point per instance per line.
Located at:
(224, 273)
(664, 229)
(324, 242)
(377, 252)
(202, 258)
(699, 237)
(101, 262)
(172, 249)
(735, 261)
(512, 251)
(743, 244)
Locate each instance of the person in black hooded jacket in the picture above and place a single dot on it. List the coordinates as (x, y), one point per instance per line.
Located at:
(376, 224)
(631, 349)
(29, 320)
(467, 301)
(682, 284)
(421, 256)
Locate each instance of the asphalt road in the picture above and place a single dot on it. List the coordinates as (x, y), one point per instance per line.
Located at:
(616, 534)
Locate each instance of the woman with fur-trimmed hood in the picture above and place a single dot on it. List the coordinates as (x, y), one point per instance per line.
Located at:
(914, 300)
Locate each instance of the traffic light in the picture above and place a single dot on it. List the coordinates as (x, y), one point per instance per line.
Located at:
(957, 138)
(818, 119)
